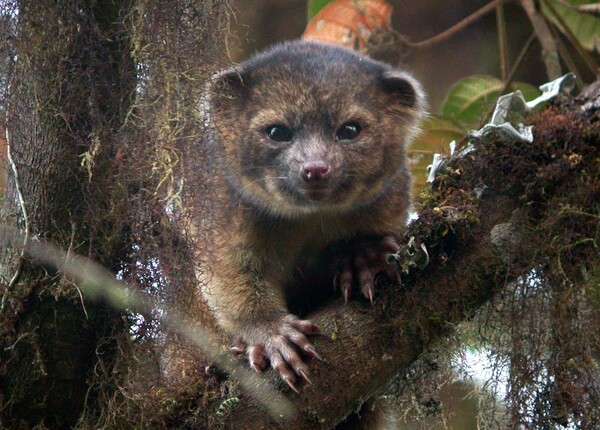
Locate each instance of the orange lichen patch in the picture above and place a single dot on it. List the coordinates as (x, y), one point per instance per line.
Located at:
(349, 23)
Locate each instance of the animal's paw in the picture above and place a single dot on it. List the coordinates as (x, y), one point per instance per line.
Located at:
(281, 342)
(358, 265)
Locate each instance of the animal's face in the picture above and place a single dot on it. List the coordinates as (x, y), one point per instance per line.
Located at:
(307, 128)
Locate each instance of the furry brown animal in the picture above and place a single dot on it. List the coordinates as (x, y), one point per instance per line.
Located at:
(311, 145)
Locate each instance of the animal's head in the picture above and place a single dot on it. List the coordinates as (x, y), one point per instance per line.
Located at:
(308, 127)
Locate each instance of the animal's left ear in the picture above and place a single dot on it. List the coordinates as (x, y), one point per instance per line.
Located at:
(403, 89)
(226, 92)
(232, 83)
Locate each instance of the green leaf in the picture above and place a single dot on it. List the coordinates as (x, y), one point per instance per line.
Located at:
(314, 6)
(471, 99)
(585, 27)
(436, 133)
(529, 91)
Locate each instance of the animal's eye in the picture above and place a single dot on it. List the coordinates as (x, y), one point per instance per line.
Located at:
(279, 133)
(348, 131)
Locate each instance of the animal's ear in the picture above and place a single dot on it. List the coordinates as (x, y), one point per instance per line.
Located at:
(403, 89)
(231, 83)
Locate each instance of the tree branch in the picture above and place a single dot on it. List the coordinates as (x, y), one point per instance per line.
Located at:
(544, 35)
(373, 343)
(446, 34)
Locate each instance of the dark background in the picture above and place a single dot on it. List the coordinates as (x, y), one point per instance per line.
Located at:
(474, 50)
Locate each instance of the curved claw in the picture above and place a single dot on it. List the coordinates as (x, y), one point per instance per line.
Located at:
(257, 358)
(310, 350)
(304, 326)
(304, 374)
(288, 381)
(281, 344)
(346, 291)
(236, 350)
(366, 259)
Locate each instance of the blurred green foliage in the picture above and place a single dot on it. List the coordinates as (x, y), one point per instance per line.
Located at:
(585, 27)
(314, 6)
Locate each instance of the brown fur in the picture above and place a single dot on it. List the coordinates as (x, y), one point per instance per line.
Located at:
(270, 223)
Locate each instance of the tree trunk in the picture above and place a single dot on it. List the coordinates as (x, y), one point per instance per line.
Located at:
(69, 93)
(101, 97)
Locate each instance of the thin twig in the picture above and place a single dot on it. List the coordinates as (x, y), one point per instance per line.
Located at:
(13, 165)
(512, 72)
(98, 282)
(502, 41)
(567, 4)
(518, 61)
(456, 27)
(567, 58)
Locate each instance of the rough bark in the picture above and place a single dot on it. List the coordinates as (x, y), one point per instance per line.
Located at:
(95, 110)
(68, 95)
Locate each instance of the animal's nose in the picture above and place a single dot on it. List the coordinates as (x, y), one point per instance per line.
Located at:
(315, 171)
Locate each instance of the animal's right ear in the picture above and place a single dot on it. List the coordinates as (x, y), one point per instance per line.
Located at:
(230, 83)
(404, 90)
